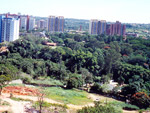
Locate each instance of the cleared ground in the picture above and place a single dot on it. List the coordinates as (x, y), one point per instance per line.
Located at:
(74, 99)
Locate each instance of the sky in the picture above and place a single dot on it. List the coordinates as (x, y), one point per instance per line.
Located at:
(126, 11)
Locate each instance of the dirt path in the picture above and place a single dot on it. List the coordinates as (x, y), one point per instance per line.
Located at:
(71, 106)
(21, 105)
(102, 98)
(4, 108)
(125, 111)
(15, 106)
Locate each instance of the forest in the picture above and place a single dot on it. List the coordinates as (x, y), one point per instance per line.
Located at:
(84, 59)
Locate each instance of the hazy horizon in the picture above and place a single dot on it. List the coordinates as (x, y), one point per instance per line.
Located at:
(135, 11)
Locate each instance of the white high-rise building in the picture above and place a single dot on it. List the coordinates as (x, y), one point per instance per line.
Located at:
(10, 29)
(23, 23)
(31, 23)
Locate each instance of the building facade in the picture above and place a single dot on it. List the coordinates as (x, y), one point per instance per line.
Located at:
(10, 29)
(101, 27)
(42, 24)
(31, 23)
(56, 24)
(93, 27)
(116, 29)
(1, 18)
(97, 27)
(61, 22)
(23, 23)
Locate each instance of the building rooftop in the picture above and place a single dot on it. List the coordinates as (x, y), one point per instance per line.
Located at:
(3, 49)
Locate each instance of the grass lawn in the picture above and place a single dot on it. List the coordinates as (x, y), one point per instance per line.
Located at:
(103, 99)
(74, 96)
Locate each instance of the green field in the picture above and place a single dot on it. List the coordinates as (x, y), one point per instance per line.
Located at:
(74, 96)
(47, 81)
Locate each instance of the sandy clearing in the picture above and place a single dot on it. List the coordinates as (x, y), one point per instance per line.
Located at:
(21, 104)
(15, 106)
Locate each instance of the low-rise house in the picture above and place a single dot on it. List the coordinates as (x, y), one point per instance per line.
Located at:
(50, 44)
(3, 49)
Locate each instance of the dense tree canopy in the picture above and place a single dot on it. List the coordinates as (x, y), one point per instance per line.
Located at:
(82, 59)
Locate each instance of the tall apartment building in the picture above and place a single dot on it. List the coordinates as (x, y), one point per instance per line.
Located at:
(123, 30)
(42, 24)
(93, 27)
(1, 18)
(56, 24)
(23, 23)
(51, 24)
(97, 27)
(27, 23)
(101, 27)
(31, 23)
(116, 29)
(10, 29)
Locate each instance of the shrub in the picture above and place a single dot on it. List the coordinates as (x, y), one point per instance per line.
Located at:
(95, 87)
(75, 81)
(98, 108)
(26, 80)
(141, 99)
(124, 105)
(101, 88)
(105, 88)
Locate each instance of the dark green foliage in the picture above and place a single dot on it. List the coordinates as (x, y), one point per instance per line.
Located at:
(101, 88)
(137, 60)
(7, 73)
(75, 81)
(123, 72)
(8, 69)
(126, 49)
(4, 79)
(82, 59)
(26, 80)
(141, 99)
(87, 77)
(95, 87)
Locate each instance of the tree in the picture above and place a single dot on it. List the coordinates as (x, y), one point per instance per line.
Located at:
(112, 56)
(4, 80)
(8, 69)
(86, 76)
(126, 49)
(122, 72)
(75, 81)
(78, 60)
(40, 101)
(141, 99)
(136, 84)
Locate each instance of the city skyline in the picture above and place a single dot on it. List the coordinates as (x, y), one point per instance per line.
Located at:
(135, 11)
